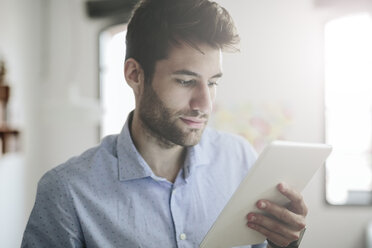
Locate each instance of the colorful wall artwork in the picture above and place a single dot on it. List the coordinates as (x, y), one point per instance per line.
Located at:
(258, 123)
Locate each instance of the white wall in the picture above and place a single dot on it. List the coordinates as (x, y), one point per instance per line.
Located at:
(51, 48)
(20, 44)
(282, 62)
(69, 87)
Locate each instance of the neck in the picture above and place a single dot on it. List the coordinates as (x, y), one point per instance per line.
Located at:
(164, 159)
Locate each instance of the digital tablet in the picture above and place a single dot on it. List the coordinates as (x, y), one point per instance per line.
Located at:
(281, 161)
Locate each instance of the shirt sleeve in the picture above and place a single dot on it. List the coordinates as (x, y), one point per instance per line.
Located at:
(53, 221)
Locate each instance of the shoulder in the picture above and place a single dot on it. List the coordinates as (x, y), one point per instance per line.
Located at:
(86, 165)
(229, 157)
(227, 148)
(226, 141)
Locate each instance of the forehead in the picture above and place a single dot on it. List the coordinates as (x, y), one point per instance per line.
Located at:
(204, 60)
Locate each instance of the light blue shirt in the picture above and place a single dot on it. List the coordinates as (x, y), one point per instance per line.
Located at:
(109, 196)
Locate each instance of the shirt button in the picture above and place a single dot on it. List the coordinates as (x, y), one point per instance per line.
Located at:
(182, 236)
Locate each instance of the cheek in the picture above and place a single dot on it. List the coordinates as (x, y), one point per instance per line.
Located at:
(213, 93)
(178, 100)
(175, 98)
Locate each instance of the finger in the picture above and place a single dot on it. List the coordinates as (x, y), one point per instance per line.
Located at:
(273, 225)
(297, 204)
(273, 236)
(296, 221)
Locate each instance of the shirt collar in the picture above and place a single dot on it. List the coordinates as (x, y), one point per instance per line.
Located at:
(132, 165)
(195, 157)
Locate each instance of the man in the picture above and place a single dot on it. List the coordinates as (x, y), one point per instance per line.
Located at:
(165, 178)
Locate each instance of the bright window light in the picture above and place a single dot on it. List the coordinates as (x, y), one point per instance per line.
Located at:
(348, 92)
(116, 96)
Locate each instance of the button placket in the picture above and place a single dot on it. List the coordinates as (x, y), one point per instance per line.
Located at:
(177, 213)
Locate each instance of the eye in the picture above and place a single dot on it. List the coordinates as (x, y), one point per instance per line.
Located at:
(210, 84)
(186, 83)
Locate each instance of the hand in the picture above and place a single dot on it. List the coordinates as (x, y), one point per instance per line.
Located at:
(281, 225)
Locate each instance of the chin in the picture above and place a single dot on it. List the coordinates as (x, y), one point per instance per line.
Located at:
(192, 138)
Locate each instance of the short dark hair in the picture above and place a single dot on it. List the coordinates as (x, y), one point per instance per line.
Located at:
(155, 25)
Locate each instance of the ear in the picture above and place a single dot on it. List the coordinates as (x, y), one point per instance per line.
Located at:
(134, 75)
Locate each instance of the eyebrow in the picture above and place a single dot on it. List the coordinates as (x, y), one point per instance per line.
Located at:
(191, 73)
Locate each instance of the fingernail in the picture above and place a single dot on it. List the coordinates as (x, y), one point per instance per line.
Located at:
(262, 204)
(251, 217)
(282, 187)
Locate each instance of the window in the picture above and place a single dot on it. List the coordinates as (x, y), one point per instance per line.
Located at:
(348, 99)
(116, 96)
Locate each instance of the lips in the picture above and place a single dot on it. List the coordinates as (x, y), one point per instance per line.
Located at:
(194, 122)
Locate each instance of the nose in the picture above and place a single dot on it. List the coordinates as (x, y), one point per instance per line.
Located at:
(202, 99)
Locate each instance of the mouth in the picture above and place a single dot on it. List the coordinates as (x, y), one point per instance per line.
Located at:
(193, 122)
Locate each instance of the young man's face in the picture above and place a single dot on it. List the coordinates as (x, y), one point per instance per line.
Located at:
(176, 106)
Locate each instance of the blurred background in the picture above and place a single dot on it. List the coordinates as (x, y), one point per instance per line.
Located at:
(304, 73)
